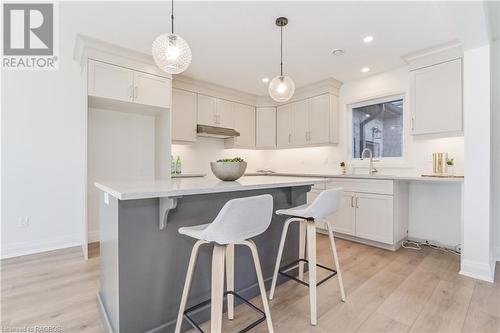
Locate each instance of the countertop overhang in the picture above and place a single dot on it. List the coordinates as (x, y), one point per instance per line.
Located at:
(456, 179)
(178, 187)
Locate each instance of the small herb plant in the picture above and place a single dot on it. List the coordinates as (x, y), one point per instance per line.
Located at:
(235, 159)
(342, 164)
(450, 162)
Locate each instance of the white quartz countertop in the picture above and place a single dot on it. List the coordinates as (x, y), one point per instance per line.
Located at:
(129, 190)
(376, 176)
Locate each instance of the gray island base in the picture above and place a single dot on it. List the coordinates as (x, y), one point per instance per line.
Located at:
(143, 268)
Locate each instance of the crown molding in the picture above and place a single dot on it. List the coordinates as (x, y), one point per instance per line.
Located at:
(91, 48)
(434, 55)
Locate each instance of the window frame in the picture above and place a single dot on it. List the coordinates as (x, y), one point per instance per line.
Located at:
(396, 162)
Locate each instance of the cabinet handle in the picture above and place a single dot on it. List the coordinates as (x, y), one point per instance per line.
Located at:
(289, 138)
(215, 119)
(411, 123)
(136, 89)
(352, 202)
(130, 91)
(357, 206)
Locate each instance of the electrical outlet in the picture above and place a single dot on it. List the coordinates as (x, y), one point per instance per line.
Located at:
(23, 222)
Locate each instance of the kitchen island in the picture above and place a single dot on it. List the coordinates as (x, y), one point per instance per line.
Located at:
(144, 259)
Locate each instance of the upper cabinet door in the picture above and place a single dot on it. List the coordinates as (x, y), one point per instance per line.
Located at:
(319, 119)
(437, 98)
(152, 90)
(183, 115)
(284, 126)
(207, 110)
(300, 132)
(265, 136)
(244, 123)
(225, 113)
(110, 81)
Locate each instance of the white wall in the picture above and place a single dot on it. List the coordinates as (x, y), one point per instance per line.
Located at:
(42, 142)
(476, 259)
(120, 147)
(495, 144)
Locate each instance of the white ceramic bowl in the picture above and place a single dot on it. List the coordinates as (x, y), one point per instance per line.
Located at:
(228, 171)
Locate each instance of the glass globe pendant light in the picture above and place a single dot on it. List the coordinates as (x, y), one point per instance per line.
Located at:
(171, 52)
(282, 87)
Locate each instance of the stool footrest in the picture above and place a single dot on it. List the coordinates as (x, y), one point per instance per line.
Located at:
(283, 271)
(207, 302)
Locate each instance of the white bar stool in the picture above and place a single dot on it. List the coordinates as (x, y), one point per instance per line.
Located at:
(239, 220)
(325, 204)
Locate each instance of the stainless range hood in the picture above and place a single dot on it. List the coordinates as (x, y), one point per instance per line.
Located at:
(216, 132)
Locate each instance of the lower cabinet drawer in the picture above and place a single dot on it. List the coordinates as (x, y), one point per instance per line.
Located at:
(378, 186)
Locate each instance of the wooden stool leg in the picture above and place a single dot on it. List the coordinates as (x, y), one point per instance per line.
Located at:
(217, 300)
(311, 251)
(187, 284)
(260, 279)
(230, 280)
(280, 254)
(336, 260)
(302, 248)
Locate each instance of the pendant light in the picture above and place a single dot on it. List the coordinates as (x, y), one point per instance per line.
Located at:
(171, 52)
(281, 88)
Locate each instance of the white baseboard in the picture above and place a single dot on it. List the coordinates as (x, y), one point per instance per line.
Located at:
(476, 270)
(93, 236)
(43, 245)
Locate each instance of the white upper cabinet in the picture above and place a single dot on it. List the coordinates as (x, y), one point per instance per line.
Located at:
(152, 90)
(127, 85)
(244, 123)
(284, 126)
(319, 119)
(225, 113)
(183, 115)
(437, 98)
(265, 134)
(300, 128)
(207, 110)
(109, 81)
(215, 112)
(309, 122)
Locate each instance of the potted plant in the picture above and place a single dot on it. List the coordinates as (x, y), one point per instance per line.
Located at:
(229, 169)
(342, 166)
(450, 164)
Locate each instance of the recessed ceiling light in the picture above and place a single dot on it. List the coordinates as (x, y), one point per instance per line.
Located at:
(368, 39)
(338, 52)
(265, 80)
(365, 69)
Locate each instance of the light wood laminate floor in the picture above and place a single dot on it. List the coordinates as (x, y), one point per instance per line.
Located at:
(403, 291)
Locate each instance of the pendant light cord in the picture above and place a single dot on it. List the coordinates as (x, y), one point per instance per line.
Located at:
(281, 51)
(172, 16)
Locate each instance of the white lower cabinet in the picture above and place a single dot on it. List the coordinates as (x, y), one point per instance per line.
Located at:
(372, 211)
(374, 217)
(343, 220)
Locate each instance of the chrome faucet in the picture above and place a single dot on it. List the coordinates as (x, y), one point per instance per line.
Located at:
(371, 170)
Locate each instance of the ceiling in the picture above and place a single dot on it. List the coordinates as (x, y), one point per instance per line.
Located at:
(236, 44)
